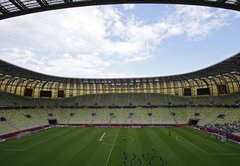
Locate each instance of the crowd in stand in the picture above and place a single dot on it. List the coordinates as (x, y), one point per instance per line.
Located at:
(229, 127)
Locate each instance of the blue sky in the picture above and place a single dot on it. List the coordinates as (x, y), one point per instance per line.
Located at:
(120, 40)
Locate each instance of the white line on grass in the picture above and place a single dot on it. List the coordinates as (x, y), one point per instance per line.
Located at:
(101, 139)
(207, 137)
(209, 140)
(224, 154)
(105, 143)
(192, 144)
(112, 148)
(233, 145)
(207, 153)
(31, 146)
(6, 149)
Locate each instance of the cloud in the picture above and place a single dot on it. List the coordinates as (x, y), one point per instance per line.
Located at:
(128, 6)
(90, 41)
(198, 22)
(237, 15)
(84, 65)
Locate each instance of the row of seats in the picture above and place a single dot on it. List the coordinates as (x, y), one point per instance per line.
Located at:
(19, 119)
(16, 120)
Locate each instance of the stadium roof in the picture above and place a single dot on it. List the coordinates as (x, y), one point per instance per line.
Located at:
(12, 8)
(228, 66)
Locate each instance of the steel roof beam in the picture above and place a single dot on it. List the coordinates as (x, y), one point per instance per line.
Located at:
(45, 2)
(19, 4)
(3, 10)
(42, 3)
(66, 1)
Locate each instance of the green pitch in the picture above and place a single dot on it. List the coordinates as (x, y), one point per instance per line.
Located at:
(118, 146)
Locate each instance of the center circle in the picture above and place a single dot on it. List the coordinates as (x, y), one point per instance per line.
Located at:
(120, 140)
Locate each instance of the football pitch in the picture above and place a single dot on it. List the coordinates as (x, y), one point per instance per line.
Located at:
(119, 147)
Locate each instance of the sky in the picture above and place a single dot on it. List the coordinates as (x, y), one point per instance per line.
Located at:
(120, 41)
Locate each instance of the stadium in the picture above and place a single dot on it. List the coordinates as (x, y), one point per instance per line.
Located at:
(177, 120)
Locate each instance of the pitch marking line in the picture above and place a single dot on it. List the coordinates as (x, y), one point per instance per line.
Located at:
(112, 148)
(23, 149)
(230, 143)
(12, 149)
(191, 144)
(101, 139)
(212, 154)
(105, 143)
(209, 140)
(204, 135)
(224, 154)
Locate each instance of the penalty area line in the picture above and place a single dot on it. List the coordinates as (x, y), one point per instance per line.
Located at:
(112, 148)
(30, 146)
(178, 136)
(224, 154)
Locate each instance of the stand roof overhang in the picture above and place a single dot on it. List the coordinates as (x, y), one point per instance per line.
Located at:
(13, 8)
(228, 66)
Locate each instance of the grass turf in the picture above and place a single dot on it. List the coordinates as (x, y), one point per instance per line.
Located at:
(81, 146)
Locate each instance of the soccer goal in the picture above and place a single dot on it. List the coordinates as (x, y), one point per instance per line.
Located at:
(2, 140)
(23, 134)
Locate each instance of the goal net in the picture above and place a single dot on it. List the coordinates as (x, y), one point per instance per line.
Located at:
(23, 134)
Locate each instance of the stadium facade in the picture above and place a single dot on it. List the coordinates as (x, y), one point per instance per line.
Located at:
(219, 79)
(207, 99)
